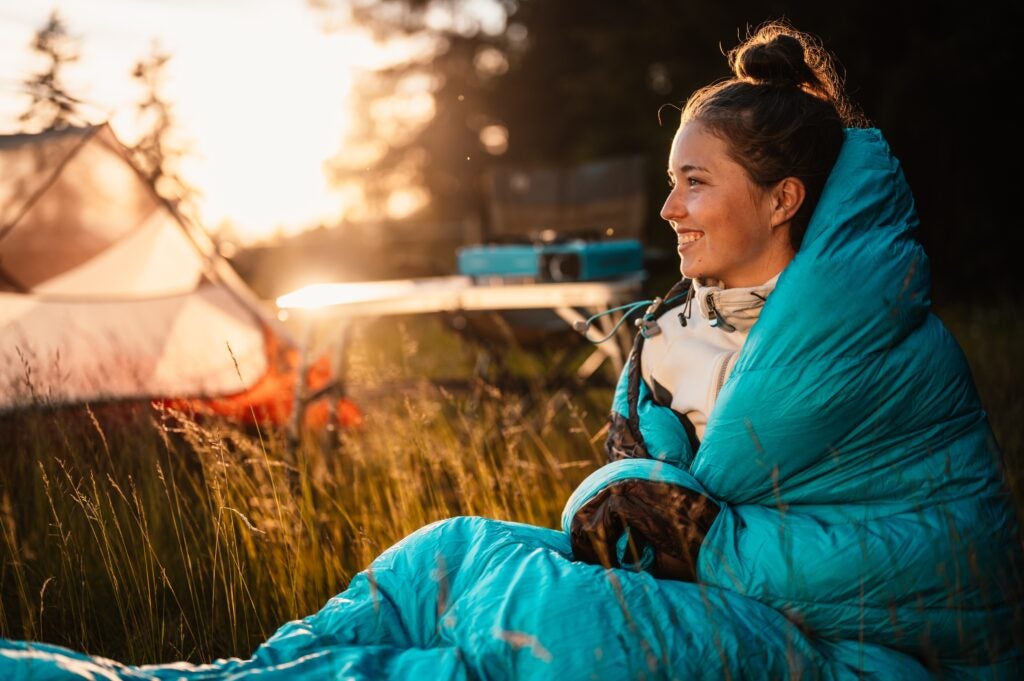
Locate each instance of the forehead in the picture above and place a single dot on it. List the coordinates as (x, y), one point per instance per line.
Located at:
(695, 145)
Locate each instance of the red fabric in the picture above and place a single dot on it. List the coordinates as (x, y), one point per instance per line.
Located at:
(271, 399)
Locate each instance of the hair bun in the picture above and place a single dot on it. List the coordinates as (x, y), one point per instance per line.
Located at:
(776, 59)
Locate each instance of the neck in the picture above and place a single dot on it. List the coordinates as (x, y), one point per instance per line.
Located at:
(778, 252)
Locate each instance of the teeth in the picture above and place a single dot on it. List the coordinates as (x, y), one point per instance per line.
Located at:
(689, 236)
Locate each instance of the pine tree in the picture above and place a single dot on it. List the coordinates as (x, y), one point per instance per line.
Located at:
(158, 152)
(52, 106)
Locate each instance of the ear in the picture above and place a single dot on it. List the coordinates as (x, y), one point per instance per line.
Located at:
(787, 196)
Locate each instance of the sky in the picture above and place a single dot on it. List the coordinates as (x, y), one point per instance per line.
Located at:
(260, 90)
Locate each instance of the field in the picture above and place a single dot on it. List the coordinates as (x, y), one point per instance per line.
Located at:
(145, 535)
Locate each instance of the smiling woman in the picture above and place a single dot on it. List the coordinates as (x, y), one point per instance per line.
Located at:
(751, 156)
(729, 228)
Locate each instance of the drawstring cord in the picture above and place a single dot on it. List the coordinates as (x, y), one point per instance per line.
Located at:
(687, 306)
(630, 309)
(647, 325)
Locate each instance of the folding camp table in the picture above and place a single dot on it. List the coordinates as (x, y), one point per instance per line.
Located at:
(573, 302)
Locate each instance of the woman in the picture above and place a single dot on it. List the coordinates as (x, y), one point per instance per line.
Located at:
(839, 468)
(833, 505)
(746, 167)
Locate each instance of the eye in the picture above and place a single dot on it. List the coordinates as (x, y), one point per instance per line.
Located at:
(671, 182)
(693, 182)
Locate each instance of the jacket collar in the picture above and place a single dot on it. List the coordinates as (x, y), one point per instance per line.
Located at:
(731, 309)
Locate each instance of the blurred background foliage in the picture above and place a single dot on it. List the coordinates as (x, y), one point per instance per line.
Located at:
(568, 81)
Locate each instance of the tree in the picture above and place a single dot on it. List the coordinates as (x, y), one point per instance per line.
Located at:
(588, 78)
(418, 123)
(158, 152)
(563, 82)
(52, 107)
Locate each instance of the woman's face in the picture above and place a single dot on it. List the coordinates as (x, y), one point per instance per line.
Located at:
(723, 221)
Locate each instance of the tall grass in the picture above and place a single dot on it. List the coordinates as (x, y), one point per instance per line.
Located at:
(147, 535)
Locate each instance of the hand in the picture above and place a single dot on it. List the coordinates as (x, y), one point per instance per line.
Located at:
(654, 526)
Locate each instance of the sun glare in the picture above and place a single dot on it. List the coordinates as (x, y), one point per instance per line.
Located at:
(279, 112)
(317, 296)
(261, 93)
(404, 202)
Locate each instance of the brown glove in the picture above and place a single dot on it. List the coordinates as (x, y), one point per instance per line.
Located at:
(655, 526)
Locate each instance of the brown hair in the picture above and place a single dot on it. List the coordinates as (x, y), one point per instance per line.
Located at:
(782, 113)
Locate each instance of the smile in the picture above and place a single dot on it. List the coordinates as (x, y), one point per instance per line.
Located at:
(687, 238)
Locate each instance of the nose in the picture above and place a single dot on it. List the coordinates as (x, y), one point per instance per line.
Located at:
(674, 208)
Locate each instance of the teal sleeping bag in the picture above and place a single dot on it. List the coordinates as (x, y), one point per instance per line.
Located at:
(863, 528)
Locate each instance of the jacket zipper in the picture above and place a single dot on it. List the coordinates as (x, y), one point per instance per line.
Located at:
(712, 312)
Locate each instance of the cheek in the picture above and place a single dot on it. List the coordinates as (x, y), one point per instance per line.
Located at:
(741, 229)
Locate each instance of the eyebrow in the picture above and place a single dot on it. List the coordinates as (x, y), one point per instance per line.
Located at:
(688, 168)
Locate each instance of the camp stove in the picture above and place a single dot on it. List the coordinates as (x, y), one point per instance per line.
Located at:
(556, 261)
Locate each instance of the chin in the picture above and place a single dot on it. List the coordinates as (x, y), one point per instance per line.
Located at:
(691, 272)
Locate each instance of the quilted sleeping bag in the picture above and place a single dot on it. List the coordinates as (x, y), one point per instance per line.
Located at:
(862, 528)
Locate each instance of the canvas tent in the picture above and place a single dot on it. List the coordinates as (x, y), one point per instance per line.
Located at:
(107, 293)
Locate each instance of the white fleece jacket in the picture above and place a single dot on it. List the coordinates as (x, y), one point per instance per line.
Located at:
(685, 366)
